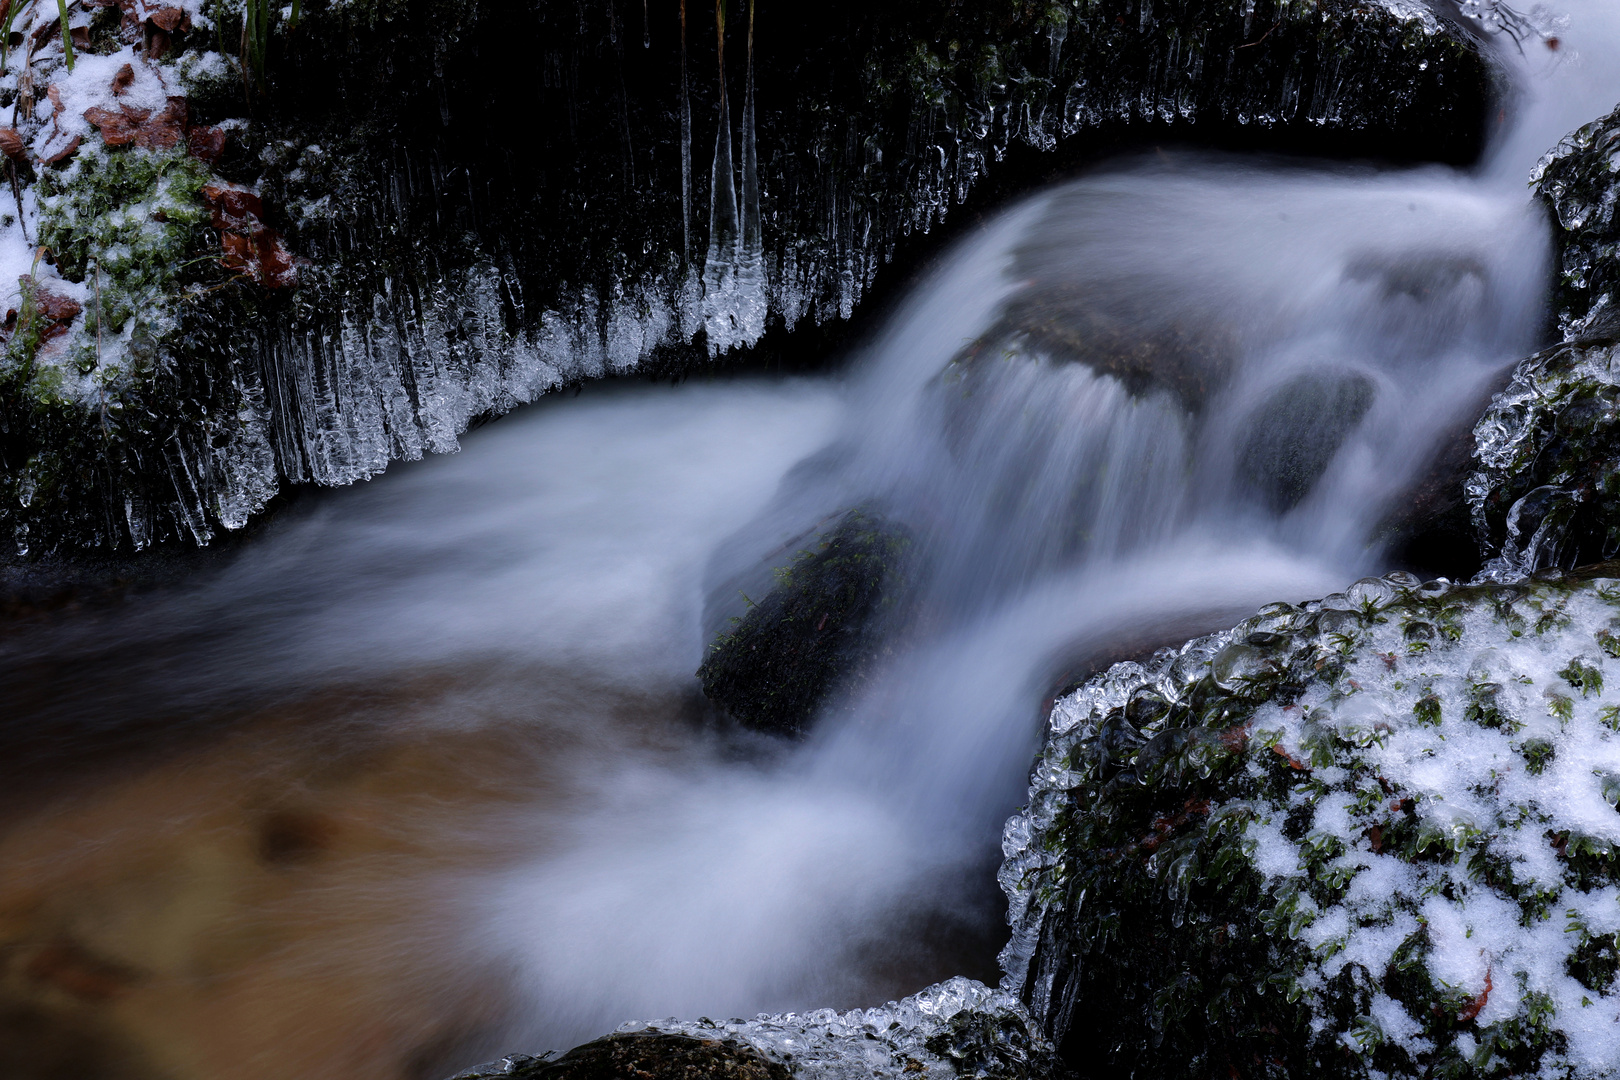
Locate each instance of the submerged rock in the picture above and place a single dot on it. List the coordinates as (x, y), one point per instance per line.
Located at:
(957, 1028)
(442, 231)
(1374, 835)
(820, 630)
(1296, 432)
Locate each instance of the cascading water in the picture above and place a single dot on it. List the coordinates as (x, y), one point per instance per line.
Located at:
(1131, 409)
(1137, 407)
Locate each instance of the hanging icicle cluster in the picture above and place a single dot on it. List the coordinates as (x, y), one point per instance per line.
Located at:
(734, 287)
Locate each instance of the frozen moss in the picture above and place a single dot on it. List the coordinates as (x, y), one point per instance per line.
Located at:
(125, 223)
(1373, 835)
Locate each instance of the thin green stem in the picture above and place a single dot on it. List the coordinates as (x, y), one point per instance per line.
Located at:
(67, 35)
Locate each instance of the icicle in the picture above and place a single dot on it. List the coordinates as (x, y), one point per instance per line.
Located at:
(720, 306)
(1056, 35)
(752, 241)
(722, 181)
(686, 151)
(646, 28)
(751, 302)
(624, 105)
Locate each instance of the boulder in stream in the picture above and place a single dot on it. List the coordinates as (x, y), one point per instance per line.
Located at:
(1373, 835)
(818, 633)
(644, 1055)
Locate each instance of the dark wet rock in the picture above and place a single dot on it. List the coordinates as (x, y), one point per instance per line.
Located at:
(644, 1056)
(1342, 839)
(1546, 486)
(468, 234)
(1296, 432)
(1117, 334)
(819, 632)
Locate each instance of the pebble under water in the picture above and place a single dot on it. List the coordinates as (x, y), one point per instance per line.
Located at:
(423, 773)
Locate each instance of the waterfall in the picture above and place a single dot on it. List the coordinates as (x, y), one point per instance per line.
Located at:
(1131, 408)
(1136, 407)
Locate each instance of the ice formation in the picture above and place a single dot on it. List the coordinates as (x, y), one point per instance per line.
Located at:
(956, 1028)
(1544, 492)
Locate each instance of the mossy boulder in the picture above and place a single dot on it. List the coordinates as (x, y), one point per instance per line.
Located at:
(1369, 836)
(820, 631)
(467, 233)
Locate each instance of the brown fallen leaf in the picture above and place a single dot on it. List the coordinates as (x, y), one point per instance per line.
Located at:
(117, 128)
(207, 144)
(170, 19)
(65, 151)
(166, 130)
(1472, 1009)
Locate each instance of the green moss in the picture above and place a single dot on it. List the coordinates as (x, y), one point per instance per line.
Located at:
(125, 221)
(117, 422)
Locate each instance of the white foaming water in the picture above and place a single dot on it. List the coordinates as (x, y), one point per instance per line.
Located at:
(1569, 74)
(1310, 338)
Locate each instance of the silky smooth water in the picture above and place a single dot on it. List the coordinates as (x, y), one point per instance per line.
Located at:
(423, 773)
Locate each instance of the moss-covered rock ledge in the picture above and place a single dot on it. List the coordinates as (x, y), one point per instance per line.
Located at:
(1374, 835)
(288, 245)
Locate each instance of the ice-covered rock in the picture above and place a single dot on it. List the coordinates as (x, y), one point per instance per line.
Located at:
(1371, 835)
(957, 1028)
(1546, 487)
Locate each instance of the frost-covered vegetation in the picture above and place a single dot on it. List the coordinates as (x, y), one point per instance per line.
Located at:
(1374, 835)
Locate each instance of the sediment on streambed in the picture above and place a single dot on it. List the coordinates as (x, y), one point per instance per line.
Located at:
(337, 245)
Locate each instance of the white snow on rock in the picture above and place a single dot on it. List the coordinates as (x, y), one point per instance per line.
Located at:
(1459, 748)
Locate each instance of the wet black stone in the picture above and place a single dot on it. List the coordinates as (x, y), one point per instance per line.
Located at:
(819, 632)
(1296, 433)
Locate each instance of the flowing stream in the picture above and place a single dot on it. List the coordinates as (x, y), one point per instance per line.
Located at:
(423, 773)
